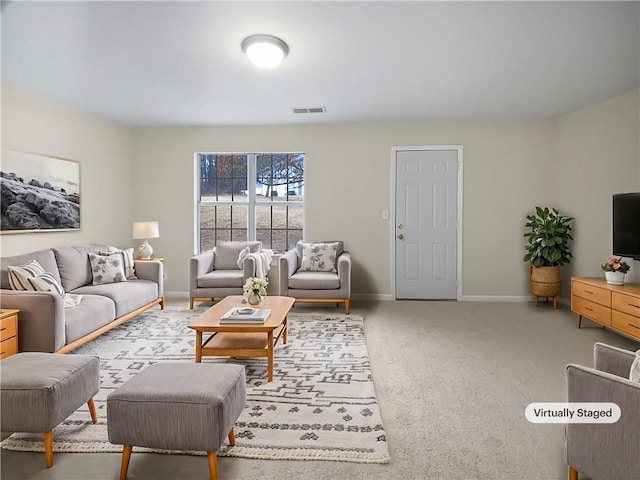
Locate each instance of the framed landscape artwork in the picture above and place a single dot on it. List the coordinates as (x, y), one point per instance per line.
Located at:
(39, 193)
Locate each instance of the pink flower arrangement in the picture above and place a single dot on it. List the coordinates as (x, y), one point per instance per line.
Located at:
(615, 265)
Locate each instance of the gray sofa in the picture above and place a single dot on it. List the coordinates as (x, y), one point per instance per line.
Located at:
(45, 325)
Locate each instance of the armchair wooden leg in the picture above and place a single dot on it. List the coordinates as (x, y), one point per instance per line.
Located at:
(346, 306)
(573, 474)
(213, 465)
(124, 465)
(232, 438)
(48, 449)
(190, 303)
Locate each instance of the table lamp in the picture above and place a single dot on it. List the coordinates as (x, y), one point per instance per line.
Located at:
(145, 230)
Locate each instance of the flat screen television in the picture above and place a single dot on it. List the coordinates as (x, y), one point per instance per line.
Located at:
(626, 225)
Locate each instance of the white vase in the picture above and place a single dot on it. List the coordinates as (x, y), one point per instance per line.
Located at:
(254, 298)
(614, 278)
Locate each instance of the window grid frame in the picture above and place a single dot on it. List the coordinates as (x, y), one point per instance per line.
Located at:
(251, 203)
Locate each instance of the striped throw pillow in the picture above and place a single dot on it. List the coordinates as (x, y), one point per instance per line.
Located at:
(46, 283)
(32, 277)
(19, 275)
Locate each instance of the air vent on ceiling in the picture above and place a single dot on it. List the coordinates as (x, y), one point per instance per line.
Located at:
(309, 109)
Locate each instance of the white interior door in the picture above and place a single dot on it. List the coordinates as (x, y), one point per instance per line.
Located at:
(426, 224)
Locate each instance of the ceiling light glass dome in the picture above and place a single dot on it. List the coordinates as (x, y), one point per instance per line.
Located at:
(265, 51)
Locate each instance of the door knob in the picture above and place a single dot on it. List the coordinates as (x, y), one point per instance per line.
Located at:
(400, 236)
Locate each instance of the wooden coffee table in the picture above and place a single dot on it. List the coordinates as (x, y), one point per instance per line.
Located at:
(242, 339)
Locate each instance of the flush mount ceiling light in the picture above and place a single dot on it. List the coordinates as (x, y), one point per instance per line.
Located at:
(265, 51)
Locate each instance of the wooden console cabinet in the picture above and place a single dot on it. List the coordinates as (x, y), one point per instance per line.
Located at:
(8, 333)
(614, 306)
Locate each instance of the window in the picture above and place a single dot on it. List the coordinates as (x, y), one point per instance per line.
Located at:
(232, 206)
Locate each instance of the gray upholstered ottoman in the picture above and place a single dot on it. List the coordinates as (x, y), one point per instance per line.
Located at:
(177, 406)
(40, 390)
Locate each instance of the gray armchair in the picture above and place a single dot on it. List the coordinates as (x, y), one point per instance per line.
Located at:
(315, 286)
(215, 273)
(605, 450)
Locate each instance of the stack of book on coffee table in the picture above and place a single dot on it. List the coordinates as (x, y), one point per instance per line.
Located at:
(246, 315)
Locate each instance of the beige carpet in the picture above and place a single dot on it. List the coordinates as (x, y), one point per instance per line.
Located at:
(452, 380)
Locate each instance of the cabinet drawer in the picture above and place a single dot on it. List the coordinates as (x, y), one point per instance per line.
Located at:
(626, 323)
(626, 303)
(589, 292)
(591, 310)
(8, 347)
(8, 327)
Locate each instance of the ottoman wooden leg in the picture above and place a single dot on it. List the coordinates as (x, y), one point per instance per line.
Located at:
(573, 474)
(124, 466)
(92, 410)
(48, 449)
(213, 466)
(232, 438)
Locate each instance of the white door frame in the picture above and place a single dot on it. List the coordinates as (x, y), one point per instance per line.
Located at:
(394, 151)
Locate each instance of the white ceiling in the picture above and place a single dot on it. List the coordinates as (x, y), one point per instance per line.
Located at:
(180, 63)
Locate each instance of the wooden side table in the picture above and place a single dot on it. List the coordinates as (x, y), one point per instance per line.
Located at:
(8, 333)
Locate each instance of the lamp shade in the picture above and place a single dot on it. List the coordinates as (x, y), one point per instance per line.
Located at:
(145, 230)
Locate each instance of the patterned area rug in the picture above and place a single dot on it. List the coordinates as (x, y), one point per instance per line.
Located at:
(320, 406)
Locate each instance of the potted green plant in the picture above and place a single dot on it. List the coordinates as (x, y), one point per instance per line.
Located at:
(547, 250)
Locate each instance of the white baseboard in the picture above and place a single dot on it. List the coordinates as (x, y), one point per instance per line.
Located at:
(177, 295)
(381, 297)
(495, 298)
(386, 297)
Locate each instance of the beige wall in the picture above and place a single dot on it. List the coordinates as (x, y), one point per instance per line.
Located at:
(598, 155)
(507, 167)
(37, 124)
(131, 174)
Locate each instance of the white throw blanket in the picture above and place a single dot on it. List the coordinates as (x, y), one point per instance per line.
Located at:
(71, 300)
(261, 258)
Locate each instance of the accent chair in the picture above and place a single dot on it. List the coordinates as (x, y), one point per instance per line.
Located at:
(316, 272)
(599, 450)
(215, 274)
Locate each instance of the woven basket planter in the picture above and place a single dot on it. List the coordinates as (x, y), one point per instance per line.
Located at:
(545, 281)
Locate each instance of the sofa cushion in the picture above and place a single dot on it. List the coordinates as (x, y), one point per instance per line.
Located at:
(92, 312)
(222, 278)
(107, 268)
(128, 296)
(74, 265)
(227, 253)
(45, 258)
(314, 281)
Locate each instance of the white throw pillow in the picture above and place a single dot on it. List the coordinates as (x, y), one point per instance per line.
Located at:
(634, 374)
(107, 268)
(318, 257)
